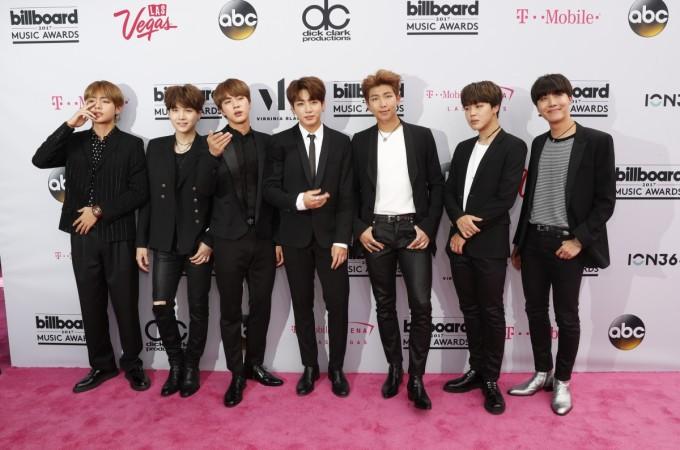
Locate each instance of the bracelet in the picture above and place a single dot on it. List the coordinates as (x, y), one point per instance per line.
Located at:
(97, 211)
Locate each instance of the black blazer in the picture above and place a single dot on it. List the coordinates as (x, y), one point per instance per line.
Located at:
(590, 192)
(216, 177)
(424, 173)
(120, 180)
(174, 203)
(492, 194)
(288, 174)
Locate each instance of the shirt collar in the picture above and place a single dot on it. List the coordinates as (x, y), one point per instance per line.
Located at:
(318, 133)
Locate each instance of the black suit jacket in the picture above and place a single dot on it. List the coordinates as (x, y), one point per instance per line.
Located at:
(424, 173)
(493, 192)
(590, 192)
(120, 180)
(175, 203)
(288, 174)
(216, 178)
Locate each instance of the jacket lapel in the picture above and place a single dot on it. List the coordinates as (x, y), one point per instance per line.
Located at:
(323, 157)
(536, 151)
(577, 151)
(231, 160)
(372, 157)
(261, 160)
(411, 159)
(461, 170)
(190, 161)
(488, 154)
(302, 152)
(111, 145)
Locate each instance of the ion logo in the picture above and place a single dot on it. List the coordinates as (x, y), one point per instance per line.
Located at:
(238, 20)
(626, 332)
(56, 183)
(662, 100)
(647, 18)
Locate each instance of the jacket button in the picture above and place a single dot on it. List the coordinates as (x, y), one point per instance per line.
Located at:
(162, 195)
(197, 221)
(163, 185)
(193, 188)
(195, 200)
(195, 210)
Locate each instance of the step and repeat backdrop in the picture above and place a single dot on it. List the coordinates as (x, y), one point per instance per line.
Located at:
(617, 53)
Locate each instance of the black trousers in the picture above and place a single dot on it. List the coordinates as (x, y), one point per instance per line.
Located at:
(102, 270)
(416, 268)
(167, 271)
(542, 270)
(300, 266)
(479, 283)
(253, 260)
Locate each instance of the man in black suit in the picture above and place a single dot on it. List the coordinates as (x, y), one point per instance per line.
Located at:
(173, 224)
(106, 174)
(569, 196)
(398, 192)
(484, 179)
(241, 227)
(309, 179)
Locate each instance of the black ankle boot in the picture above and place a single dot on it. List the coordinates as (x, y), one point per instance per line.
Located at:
(191, 381)
(174, 381)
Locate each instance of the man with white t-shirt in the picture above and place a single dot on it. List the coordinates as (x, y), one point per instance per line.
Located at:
(483, 183)
(398, 190)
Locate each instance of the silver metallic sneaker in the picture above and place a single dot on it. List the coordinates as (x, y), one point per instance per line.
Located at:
(561, 400)
(540, 380)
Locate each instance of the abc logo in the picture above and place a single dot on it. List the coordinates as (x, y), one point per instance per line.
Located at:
(626, 332)
(56, 183)
(315, 17)
(238, 20)
(648, 18)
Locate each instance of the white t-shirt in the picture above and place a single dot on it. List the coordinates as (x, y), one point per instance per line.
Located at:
(393, 194)
(473, 164)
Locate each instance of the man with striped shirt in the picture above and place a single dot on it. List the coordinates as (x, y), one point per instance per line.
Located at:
(569, 196)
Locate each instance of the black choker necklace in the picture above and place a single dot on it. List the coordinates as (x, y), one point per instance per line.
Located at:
(565, 132)
(492, 133)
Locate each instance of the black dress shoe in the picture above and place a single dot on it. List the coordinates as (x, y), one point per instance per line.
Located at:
(417, 394)
(471, 380)
(390, 387)
(306, 383)
(339, 383)
(234, 394)
(493, 399)
(262, 376)
(94, 379)
(174, 381)
(191, 381)
(138, 379)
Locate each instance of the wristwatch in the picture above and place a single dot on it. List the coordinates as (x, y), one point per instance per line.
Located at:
(97, 211)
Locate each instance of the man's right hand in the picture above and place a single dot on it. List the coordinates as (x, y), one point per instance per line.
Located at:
(515, 259)
(466, 225)
(217, 142)
(314, 198)
(369, 242)
(143, 258)
(81, 116)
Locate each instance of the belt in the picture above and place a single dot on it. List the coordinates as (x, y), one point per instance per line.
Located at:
(395, 218)
(250, 221)
(550, 229)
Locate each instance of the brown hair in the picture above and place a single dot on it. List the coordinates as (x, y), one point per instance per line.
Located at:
(481, 92)
(313, 85)
(553, 83)
(231, 86)
(188, 96)
(107, 89)
(381, 77)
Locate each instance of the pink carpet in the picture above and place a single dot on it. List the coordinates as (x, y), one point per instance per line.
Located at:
(612, 411)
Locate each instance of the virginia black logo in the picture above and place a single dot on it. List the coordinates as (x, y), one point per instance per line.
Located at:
(44, 25)
(426, 17)
(647, 18)
(56, 183)
(238, 20)
(626, 332)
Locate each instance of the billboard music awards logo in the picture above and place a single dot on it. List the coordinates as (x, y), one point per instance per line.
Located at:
(647, 18)
(326, 23)
(590, 98)
(427, 17)
(56, 183)
(451, 98)
(237, 20)
(154, 343)
(647, 182)
(59, 329)
(148, 20)
(210, 110)
(556, 16)
(44, 25)
(626, 332)
(348, 100)
(662, 100)
(448, 333)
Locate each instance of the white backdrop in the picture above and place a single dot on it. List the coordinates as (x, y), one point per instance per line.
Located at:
(627, 85)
